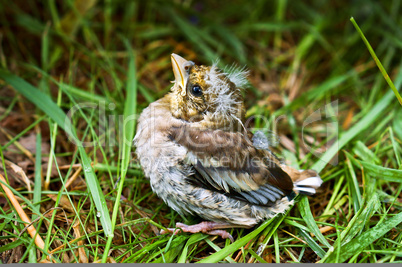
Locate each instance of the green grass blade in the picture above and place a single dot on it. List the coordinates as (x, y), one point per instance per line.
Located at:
(11, 245)
(378, 172)
(130, 108)
(276, 246)
(78, 92)
(216, 257)
(41, 100)
(261, 260)
(353, 186)
(192, 240)
(37, 187)
(377, 61)
(46, 104)
(397, 124)
(192, 33)
(382, 173)
(304, 208)
(146, 94)
(365, 153)
(396, 147)
(357, 245)
(169, 255)
(312, 244)
(315, 93)
(359, 127)
(233, 41)
(355, 226)
(216, 248)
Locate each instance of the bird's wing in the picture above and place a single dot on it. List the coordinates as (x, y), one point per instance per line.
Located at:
(229, 163)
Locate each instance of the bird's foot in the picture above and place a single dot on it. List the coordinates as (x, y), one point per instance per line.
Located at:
(210, 228)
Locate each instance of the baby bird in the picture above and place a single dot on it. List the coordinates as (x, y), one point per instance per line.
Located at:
(200, 159)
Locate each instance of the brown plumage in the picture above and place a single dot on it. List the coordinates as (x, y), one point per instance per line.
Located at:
(202, 161)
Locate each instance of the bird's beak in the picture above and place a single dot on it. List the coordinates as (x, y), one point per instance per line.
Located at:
(181, 69)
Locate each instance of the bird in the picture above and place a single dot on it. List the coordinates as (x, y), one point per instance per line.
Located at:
(201, 160)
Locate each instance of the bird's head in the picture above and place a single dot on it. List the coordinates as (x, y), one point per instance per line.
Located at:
(207, 96)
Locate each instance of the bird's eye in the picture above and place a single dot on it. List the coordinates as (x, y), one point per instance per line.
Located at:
(196, 90)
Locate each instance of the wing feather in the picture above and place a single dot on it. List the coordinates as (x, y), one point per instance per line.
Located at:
(236, 168)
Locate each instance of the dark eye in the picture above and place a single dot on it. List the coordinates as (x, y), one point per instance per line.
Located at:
(196, 90)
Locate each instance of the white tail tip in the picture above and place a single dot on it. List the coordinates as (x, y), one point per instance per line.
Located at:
(305, 190)
(314, 182)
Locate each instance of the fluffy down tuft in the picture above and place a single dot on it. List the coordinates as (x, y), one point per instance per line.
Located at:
(237, 75)
(226, 102)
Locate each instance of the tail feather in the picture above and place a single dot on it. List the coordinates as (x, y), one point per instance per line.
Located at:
(311, 182)
(304, 181)
(307, 184)
(304, 190)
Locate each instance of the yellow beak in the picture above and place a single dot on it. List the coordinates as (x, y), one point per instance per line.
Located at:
(181, 69)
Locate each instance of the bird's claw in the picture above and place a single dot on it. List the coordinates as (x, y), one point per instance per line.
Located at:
(203, 227)
(173, 231)
(222, 233)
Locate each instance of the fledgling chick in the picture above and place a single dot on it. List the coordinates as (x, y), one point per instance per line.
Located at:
(201, 160)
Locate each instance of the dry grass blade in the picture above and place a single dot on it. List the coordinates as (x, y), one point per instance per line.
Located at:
(73, 177)
(81, 251)
(17, 169)
(19, 146)
(24, 217)
(38, 218)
